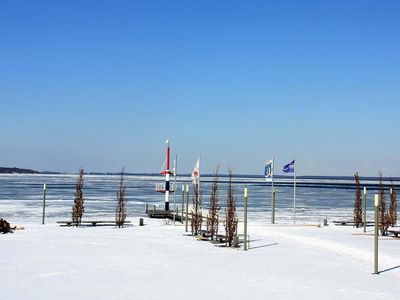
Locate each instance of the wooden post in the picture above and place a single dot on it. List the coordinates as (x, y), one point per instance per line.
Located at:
(294, 191)
(273, 206)
(245, 219)
(44, 203)
(183, 200)
(376, 235)
(365, 209)
(187, 207)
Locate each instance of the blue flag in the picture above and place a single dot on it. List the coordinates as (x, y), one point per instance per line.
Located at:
(289, 168)
(269, 167)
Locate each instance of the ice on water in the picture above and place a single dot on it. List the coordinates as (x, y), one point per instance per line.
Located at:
(21, 197)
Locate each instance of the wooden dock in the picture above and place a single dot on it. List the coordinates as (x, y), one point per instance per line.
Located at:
(153, 212)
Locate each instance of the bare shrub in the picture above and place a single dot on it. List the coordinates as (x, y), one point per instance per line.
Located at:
(5, 227)
(384, 218)
(213, 211)
(120, 212)
(78, 208)
(393, 205)
(231, 218)
(196, 213)
(357, 202)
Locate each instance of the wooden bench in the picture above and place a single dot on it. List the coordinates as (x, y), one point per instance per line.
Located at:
(395, 232)
(204, 233)
(352, 223)
(92, 223)
(220, 238)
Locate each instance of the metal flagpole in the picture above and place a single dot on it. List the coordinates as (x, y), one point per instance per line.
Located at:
(199, 175)
(294, 190)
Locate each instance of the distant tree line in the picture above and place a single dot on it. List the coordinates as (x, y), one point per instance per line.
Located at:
(7, 170)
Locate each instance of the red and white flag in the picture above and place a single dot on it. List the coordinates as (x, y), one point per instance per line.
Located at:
(196, 171)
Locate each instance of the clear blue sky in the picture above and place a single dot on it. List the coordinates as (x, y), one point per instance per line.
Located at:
(102, 84)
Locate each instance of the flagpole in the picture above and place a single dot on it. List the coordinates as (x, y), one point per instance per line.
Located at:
(294, 190)
(199, 174)
(198, 183)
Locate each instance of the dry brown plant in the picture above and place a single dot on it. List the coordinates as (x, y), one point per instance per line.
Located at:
(213, 211)
(357, 216)
(231, 218)
(393, 205)
(384, 217)
(120, 212)
(78, 208)
(196, 212)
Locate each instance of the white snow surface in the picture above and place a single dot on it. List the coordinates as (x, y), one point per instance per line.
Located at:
(160, 261)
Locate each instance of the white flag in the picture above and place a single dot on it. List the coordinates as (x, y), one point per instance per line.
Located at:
(196, 171)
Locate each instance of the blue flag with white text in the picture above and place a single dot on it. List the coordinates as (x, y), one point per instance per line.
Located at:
(269, 167)
(289, 168)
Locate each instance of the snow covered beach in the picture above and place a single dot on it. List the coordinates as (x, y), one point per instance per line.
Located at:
(160, 261)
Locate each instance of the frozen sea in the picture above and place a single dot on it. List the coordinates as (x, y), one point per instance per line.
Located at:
(21, 197)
